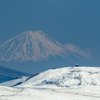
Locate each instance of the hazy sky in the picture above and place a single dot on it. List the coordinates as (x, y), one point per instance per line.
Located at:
(67, 21)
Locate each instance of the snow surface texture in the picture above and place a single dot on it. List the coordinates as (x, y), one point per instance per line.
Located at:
(65, 77)
(14, 82)
(36, 46)
(72, 83)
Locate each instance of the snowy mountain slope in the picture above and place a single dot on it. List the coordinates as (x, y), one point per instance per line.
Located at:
(65, 77)
(76, 51)
(37, 46)
(69, 83)
(14, 82)
(31, 46)
(57, 84)
(7, 74)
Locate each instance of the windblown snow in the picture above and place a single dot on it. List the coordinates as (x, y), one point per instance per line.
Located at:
(69, 83)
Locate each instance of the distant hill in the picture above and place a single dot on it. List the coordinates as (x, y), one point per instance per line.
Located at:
(65, 77)
(7, 74)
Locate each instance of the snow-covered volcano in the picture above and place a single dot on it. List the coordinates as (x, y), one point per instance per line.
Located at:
(31, 46)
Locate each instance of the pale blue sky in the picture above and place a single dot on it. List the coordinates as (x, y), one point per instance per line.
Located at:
(67, 21)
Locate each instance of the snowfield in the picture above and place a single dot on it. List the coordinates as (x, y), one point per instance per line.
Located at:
(14, 82)
(50, 94)
(69, 83)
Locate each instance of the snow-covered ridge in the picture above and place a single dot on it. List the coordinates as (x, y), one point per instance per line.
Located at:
(65, 77)
(14, 82)
(37, 46)
(31, 46)
(72, 83)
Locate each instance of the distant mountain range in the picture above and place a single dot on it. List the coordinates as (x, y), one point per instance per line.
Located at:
(7, 74)
(37, 46)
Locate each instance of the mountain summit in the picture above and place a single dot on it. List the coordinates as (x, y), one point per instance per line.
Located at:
(31, 45)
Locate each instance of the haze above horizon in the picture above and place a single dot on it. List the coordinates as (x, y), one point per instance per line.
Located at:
(67, 21)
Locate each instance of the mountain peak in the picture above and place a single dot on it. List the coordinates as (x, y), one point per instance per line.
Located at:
(31, 45)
